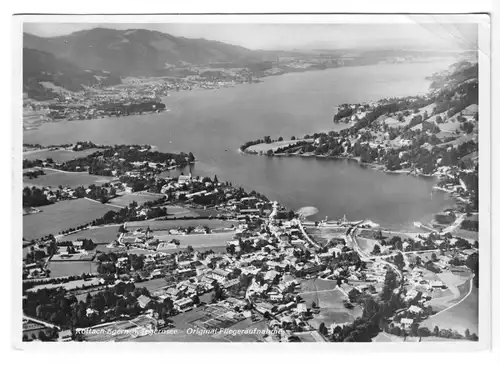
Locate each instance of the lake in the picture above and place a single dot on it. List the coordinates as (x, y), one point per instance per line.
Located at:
(214, 123)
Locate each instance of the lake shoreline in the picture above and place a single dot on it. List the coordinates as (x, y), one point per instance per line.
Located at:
(373, 166)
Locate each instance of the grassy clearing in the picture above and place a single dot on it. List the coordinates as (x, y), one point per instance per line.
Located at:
(68, 286)
(53, 178)
(198, 241)
(172, 224)
(460, 140)
(313, 285)
(460, 317)
(182, 322)
(58, 269)
(329, 300)
(324, 234)
(385, 337)
(468, 235)
(58, 155)
(97, 234)
(178, 211)
(152, 285)
(139, 198)
(366, 244)
(61, 216)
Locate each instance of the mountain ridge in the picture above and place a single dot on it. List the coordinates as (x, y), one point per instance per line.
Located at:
(137, 52)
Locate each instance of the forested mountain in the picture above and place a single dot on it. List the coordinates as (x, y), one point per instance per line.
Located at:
(40, 67)
(136, 52)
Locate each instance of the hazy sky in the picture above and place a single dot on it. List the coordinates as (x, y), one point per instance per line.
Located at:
(416, 33)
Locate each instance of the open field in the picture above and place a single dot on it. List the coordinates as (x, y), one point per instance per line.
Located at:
(178, 211)
(140, 251)
(330, 301)
(385, 337)
(124, 330)
(140, 198)
(313, 285)
(152, 285)
(62, 215)
(60, 268)
(103, 248)
(79, 256)
(459, 317)
(198, 241)
(312, 336)
(323, 234)
(366, 244)
(468, 235)
(58, 155)
(178, 223)
(205, 317)
(264, 147)
(54, 178)
(68, 286)
(458, 287)
(459, 140)
(104, 234)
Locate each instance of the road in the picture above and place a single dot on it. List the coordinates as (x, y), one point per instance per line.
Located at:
(47, 324)
(108, 204)
(351, 238)
(306, 235)
(460, 301)
(455, 224)
(406, 252)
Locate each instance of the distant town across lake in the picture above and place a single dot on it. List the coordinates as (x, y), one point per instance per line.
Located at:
(213, 124)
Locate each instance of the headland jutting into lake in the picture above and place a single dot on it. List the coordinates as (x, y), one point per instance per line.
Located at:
(430, 135)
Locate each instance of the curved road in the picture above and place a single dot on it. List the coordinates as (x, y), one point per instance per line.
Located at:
(351, 238)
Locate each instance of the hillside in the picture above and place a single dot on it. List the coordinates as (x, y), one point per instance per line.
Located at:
(41, 67)
(136, 52)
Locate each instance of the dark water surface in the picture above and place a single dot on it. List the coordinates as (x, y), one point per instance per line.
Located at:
(214, 123)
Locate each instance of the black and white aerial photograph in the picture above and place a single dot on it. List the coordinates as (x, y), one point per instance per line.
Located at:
(263, 179)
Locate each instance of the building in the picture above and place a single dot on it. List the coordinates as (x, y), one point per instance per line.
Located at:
(414, 309)
(230, 283)
(265, 307)
(183, 304)
(143, 301)
(301, 308)
(406, 322)
(220, 275)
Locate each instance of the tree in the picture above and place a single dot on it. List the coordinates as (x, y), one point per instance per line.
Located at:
(467, 333)
(322, 329)
(436, 331)
(42, 336)
(376, 250)
(424, 332)
(399, 261)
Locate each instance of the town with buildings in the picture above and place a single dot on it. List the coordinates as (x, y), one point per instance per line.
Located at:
(126, 242)
(200, 257)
